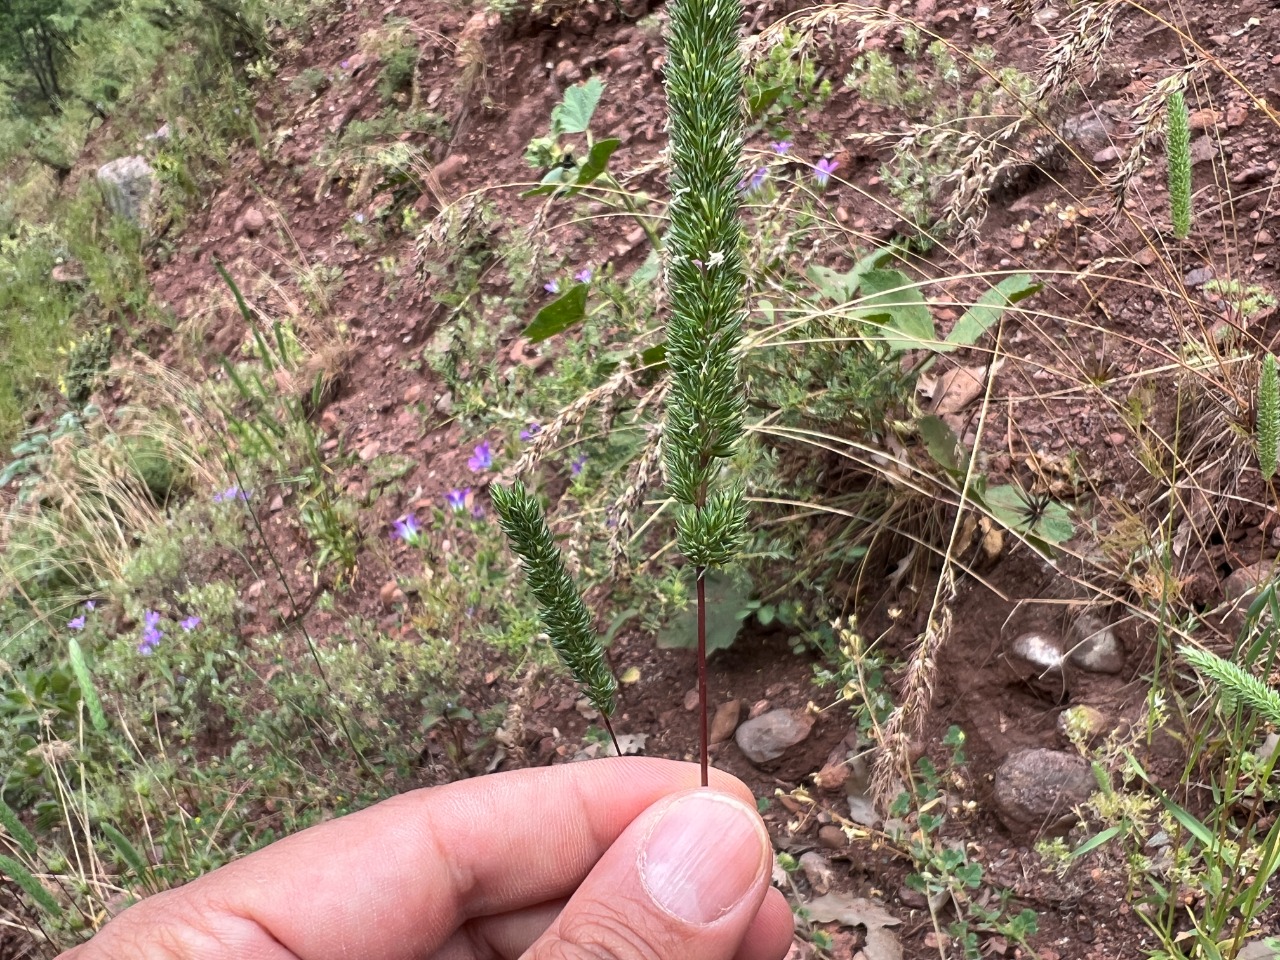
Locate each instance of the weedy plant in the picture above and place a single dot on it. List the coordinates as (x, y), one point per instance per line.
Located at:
(704, 410)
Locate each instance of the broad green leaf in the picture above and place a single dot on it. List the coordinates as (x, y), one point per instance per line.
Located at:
(942, 444)
(979, 318)
(763, 99)
(842, 287)
(596, 163)
(559, 315)
(573, 114)
(891, 301)
(552, 181)
(727, 595)
(1053, 526)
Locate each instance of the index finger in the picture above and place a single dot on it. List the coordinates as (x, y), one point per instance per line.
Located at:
(395, 880)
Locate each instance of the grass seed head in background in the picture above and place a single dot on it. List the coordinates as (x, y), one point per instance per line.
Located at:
(1178, 148)
(1268, 419)
(563, 613)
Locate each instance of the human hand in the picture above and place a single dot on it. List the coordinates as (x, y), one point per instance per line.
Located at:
(623, 859)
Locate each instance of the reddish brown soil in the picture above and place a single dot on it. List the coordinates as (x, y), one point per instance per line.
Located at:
(1040, 404)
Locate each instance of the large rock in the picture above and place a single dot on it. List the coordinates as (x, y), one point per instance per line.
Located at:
(772, 734)
(126, 184)
(1035, 790)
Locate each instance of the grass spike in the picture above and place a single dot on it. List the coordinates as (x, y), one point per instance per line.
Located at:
(1235, 683)
(561, 608)
(29, 885)
(16, 830)
(128, 852)
(88, 692)
(1268, 420)
(706, 287)
(1178, 151)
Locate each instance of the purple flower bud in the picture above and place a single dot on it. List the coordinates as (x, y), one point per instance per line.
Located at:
(823, 169)
(552, 286)
(533, 431)
(190, 623)
(576, 467)
(457, 499)
(406, 529)
(482, 459)
(583, 275)
(76, 623)
(780, 147)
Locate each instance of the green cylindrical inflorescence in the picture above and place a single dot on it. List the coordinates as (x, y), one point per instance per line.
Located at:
(1178, 149)
(1268, 419)
(705, 272)
(561, 609)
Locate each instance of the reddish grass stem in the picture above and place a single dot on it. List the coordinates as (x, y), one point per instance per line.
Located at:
(704, 751)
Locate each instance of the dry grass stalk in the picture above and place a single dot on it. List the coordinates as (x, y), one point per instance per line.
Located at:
(1147, 121)
(906, 722)
(647, 470)
(571, 418)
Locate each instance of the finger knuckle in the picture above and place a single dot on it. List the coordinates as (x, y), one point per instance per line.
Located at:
(598, 932)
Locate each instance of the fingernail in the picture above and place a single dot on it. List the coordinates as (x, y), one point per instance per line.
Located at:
(703, 856)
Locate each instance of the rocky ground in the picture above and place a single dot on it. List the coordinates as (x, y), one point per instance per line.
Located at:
(1026, 654)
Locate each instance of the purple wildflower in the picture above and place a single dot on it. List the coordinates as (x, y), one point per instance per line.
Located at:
(457, 499)
(583, 275)
(754, 182)
(76, 623)
(345, 64)
(552, 286)
(90, 604)
(780, 147)
(190, 623)
(576, 467)
(232, 492)
(533, 431)
(150, 640)
(406, 529)
(482, 459)
(477, 511)
(151, 633)
(823, 169)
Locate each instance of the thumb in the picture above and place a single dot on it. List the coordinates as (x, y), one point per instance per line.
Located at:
(683, 882)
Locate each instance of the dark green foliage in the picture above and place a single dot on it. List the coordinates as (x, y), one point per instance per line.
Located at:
(560, 604)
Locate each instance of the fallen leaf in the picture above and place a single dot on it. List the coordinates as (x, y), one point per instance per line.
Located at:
(882, 944)
(630, 675)
(850, 911)
(957, 388)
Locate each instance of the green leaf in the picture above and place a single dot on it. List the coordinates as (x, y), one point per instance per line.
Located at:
(763, 99)
(559, 315)
(552, 181)
(979, 318)
(843, 287)
(942, 443)
(726, 596)
(1094, 842)
(1053, 526)
(899, 307)
(573, 114)
(596, 163)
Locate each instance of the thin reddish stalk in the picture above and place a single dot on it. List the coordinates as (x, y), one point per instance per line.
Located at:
(704, 753)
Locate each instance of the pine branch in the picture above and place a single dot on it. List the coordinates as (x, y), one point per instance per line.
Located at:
(561, 609)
